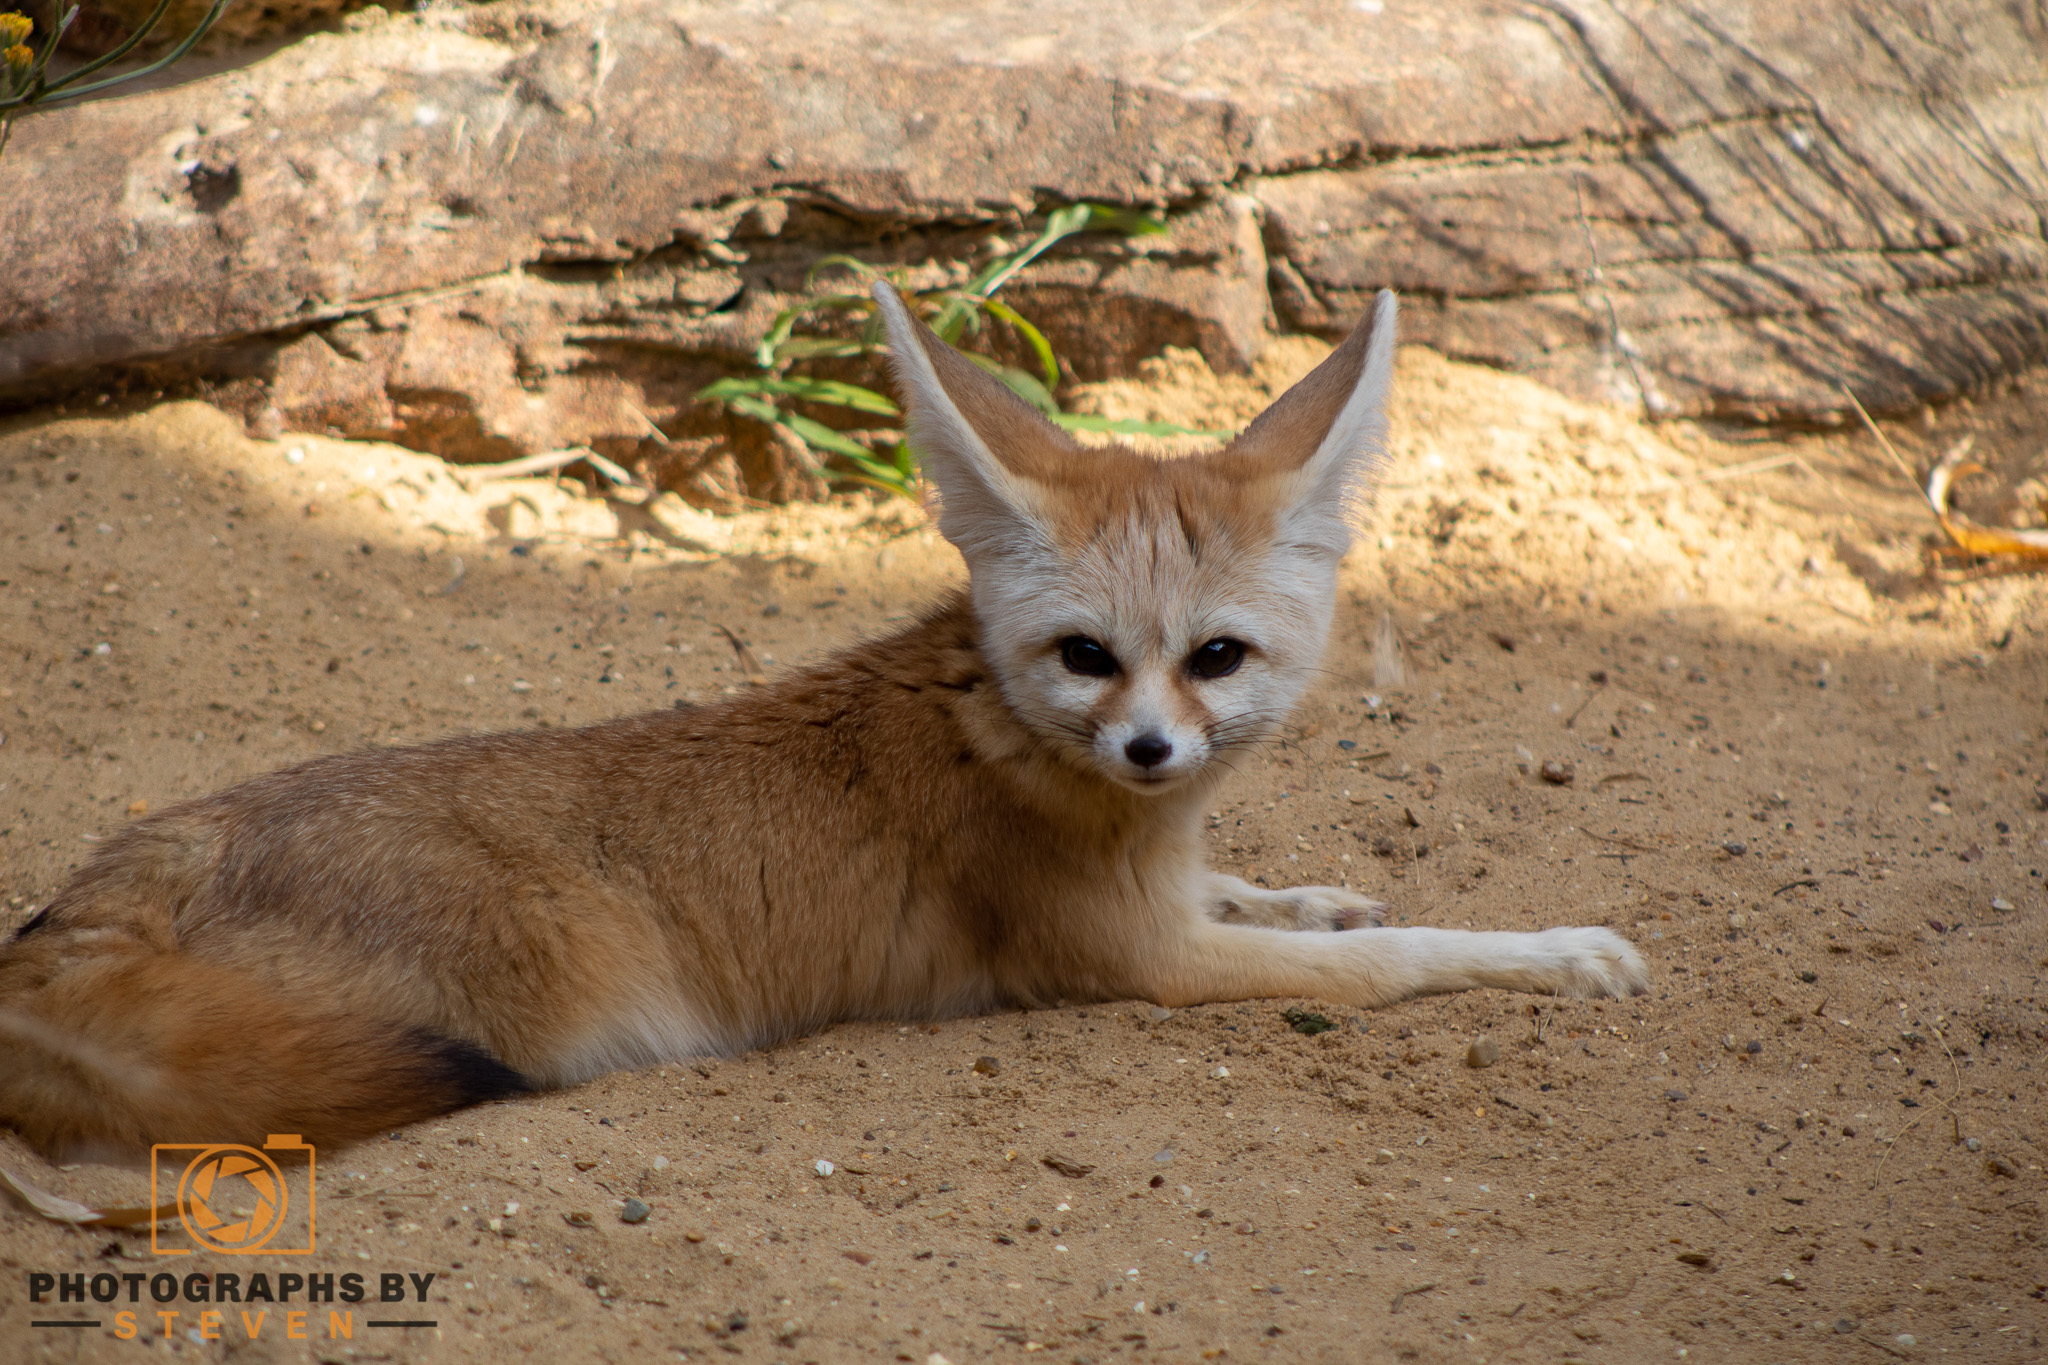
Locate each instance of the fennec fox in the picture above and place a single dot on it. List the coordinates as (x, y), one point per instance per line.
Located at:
(997, 806)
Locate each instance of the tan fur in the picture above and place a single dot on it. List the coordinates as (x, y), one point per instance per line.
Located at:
(936, 823)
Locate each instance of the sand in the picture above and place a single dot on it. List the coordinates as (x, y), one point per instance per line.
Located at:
(1807, 779)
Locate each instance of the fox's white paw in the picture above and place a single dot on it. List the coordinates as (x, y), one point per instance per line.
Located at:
(1321, 908)
(1590, 962)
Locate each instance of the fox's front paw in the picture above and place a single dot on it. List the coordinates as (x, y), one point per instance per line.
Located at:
(1592, 962)
(1321, 908)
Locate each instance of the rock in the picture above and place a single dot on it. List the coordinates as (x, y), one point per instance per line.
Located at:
(1735, 848)
(2000, 903)
(1071, 1169)
(1159, 1014)
(987, 1066)
(1557, 773)
(1974, 1144)
(1675, 1096)
(503, 245)
(1483, 1052)
(1383, 1157)
(636, 1211)
(1998, 1165)
(1703, 1259)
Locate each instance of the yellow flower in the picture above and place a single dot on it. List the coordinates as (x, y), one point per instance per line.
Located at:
(19, 56)
(14, 31)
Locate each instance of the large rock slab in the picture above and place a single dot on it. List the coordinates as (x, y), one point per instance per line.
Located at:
(495, 229)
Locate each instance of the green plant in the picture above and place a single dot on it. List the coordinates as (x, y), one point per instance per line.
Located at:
(955, 312)
(1306, 1021)
(25, 81)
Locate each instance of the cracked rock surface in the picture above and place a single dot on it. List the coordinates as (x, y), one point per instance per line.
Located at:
(483, 231)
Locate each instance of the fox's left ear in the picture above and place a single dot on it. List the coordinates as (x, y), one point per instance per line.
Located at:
(1325, 438)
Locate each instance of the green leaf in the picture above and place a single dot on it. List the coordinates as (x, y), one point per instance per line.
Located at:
(895, 475)
(1130, 222)
(828, 391)
(812, 348)
(776, 339)
(843, 262)
(1060, 223)
(1039, 345)
(1131, 426)
(1019, 383)
(821, 437)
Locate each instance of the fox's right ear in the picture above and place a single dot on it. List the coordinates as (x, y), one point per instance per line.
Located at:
(989, 453)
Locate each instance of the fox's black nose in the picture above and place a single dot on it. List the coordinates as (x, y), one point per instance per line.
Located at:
(1148, 750)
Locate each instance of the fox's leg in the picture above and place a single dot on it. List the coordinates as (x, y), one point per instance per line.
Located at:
(1203, 960)
(1230, 900)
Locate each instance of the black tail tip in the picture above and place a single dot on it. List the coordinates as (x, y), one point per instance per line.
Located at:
(466, 1074)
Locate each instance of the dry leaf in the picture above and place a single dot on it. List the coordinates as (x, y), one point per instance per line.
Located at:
(53, 1207)
(60, 1210)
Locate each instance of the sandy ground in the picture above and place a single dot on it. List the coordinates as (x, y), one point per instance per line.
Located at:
(1807, 782)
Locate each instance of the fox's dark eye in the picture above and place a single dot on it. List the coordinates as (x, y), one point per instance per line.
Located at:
(1082, 655)
(1217, 659)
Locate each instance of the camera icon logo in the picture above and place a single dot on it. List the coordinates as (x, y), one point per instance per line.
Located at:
(234, 1199)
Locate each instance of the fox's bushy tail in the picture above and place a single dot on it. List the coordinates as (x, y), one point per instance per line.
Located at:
(104, 1053)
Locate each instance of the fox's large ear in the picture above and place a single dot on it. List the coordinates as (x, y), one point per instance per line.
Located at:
(988, 451)
(1326, 437)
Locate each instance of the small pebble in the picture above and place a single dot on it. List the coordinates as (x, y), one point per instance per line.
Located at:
(1906, 1339)
(1737, 920)
(1753, 1047)
(636, 1211)
(1938, 808)
(1728, 1043)
(1844, 1326)
(823, 1167)
(1556, 773)
(2000, 903)
(1736, 848)
(1484, 1052)
(1162, 1156)
(1675, 1096)
(1809, 977)
(1160, 1014)
(1383, 1157)
(1974, 1144)
(987, 1066)
(1032, 1225)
